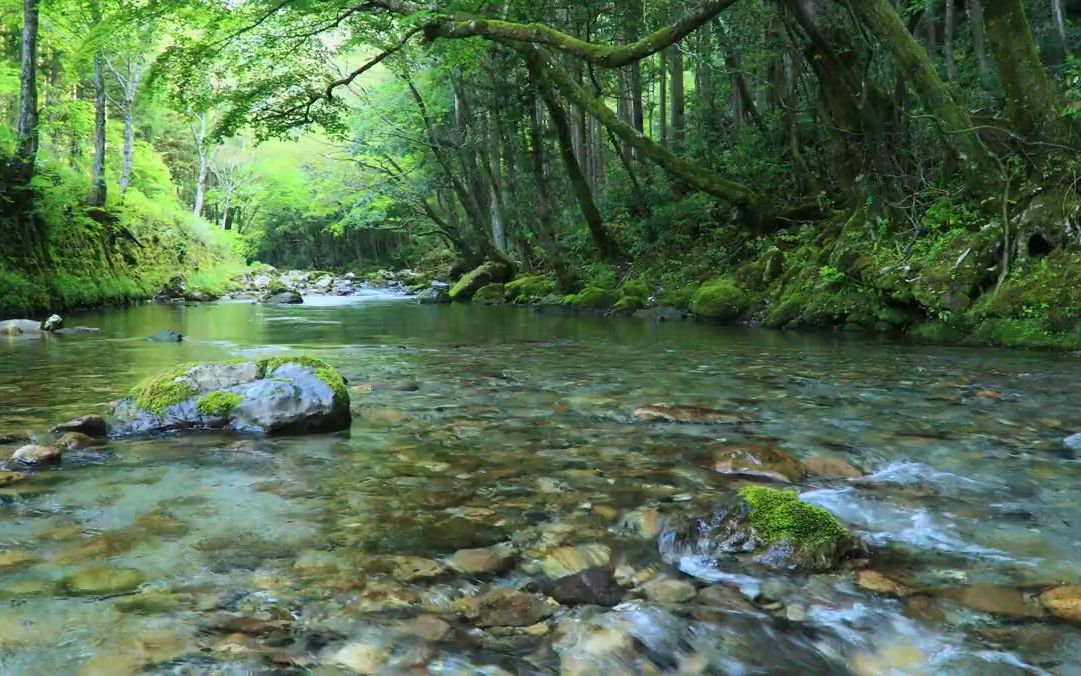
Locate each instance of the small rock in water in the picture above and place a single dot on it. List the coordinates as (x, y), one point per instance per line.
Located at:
(874, 581)
(285, 298)
(415, 568)
(645, 523)
(75, 441)
(596, 586)
(830, 467)
(759, 461)
(8, 478)
(1063, 602)
(53, 323)
(686, 415)
(166, 337)
(90, 425)
(425, 627)
(1005, 601)
(37, 455)
(479, 561)
(363, 657)
(560, 563)
(505, 608)
(104, 580)
(13, 559)
(1073, 442)
(668, 590)
(722, 597)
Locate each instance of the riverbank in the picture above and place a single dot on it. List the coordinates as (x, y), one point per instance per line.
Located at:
(945, 286)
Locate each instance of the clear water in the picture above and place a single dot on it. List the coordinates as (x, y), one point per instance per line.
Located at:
(489, 425)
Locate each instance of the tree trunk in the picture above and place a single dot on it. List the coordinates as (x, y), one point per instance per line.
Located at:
(679, 100)
(948, 40)
(979, 38)
(1060, 24)
(912, 61)
(26, 148)
(1031, 99)
(98, 185)
(606, 246)
(129, 146)
(662, 113)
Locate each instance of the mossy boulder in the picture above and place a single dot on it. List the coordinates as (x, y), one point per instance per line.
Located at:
(592, 298)
(722, 299)
(771, 528)
(488, 273)
(530, 288)
(634, 296)
(491, 294)
(291, 394)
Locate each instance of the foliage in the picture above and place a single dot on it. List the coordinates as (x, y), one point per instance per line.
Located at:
(779, 514)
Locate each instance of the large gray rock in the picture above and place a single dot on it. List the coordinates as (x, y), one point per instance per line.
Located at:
(166, 337)
(19, 327)
(53, 323)
(285, 298)
(281, 395)
(436, 294)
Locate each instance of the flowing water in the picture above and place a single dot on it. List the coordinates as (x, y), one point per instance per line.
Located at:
(477, 427)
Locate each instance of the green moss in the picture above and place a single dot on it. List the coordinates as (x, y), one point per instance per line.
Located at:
(1027, 333)
(529, 288)
(777, 515)
(468, 286)
(679, 297)
(159, 393)
(629, 304)
(592, 298)
(936, 332)
(493, 293)
(324, 371)
(218, 404)
(722, 299)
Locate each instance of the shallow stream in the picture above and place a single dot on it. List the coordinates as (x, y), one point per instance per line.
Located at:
(481, 427)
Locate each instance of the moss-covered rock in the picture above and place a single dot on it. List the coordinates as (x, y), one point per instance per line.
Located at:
(491, 294)
(285, 394)
(778, 515)
(721, 299)
(490, 272)
(592, 298)
(529, 288)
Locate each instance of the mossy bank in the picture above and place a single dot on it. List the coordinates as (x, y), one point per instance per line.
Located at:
(949, 282)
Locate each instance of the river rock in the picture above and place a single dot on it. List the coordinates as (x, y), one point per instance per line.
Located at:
(769, 527)
(8, 478)
(33, 454)
(53, 323)
(767, 462)
(90, 425)
(104, 580)
(830, 467)
(425, 627)
(1063, 602)
(166, 337)
(1005, 601)
(874, 581)
(662, 314)
(20, 327)
(284, 298)
(415, 568)
(505, 608)
(480, 561)
(436, 294)
(363, 657)
(13, 559)
(564, 561)
(286, 395)
(1073, 442)
(488, 273)
(596, 586)
(76, 441)
(669, 590)
(686, 415)
(721, 597)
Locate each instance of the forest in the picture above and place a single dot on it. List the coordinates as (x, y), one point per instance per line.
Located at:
(907, 167)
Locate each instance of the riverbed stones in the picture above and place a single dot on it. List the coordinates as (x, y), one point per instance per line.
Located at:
(564, 561)
(831, 467)
(874, 581)
(1063, 602)
(277, 395)
(686, 415)
(416, 569)
(596, 586)
(487, 560)
(14, 559)
(505, 608)
(721, 597)
(768, 527)
(669, 590)
(104, 580)
(767, 462)
(9, 478)
(1005, 601)
(76, 441)
(35, 455)
(90, 425)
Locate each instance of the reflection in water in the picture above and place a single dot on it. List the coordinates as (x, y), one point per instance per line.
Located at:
(477, 427)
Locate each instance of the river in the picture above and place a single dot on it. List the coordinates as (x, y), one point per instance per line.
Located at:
(483, 426)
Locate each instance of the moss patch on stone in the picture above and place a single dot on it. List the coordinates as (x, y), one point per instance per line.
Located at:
(722, 299)
(218, 404)
(323, 371)
(777, 515)
(468, 286)
(493, 293)
(591, 298)
(530, 287)
(159, 393)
